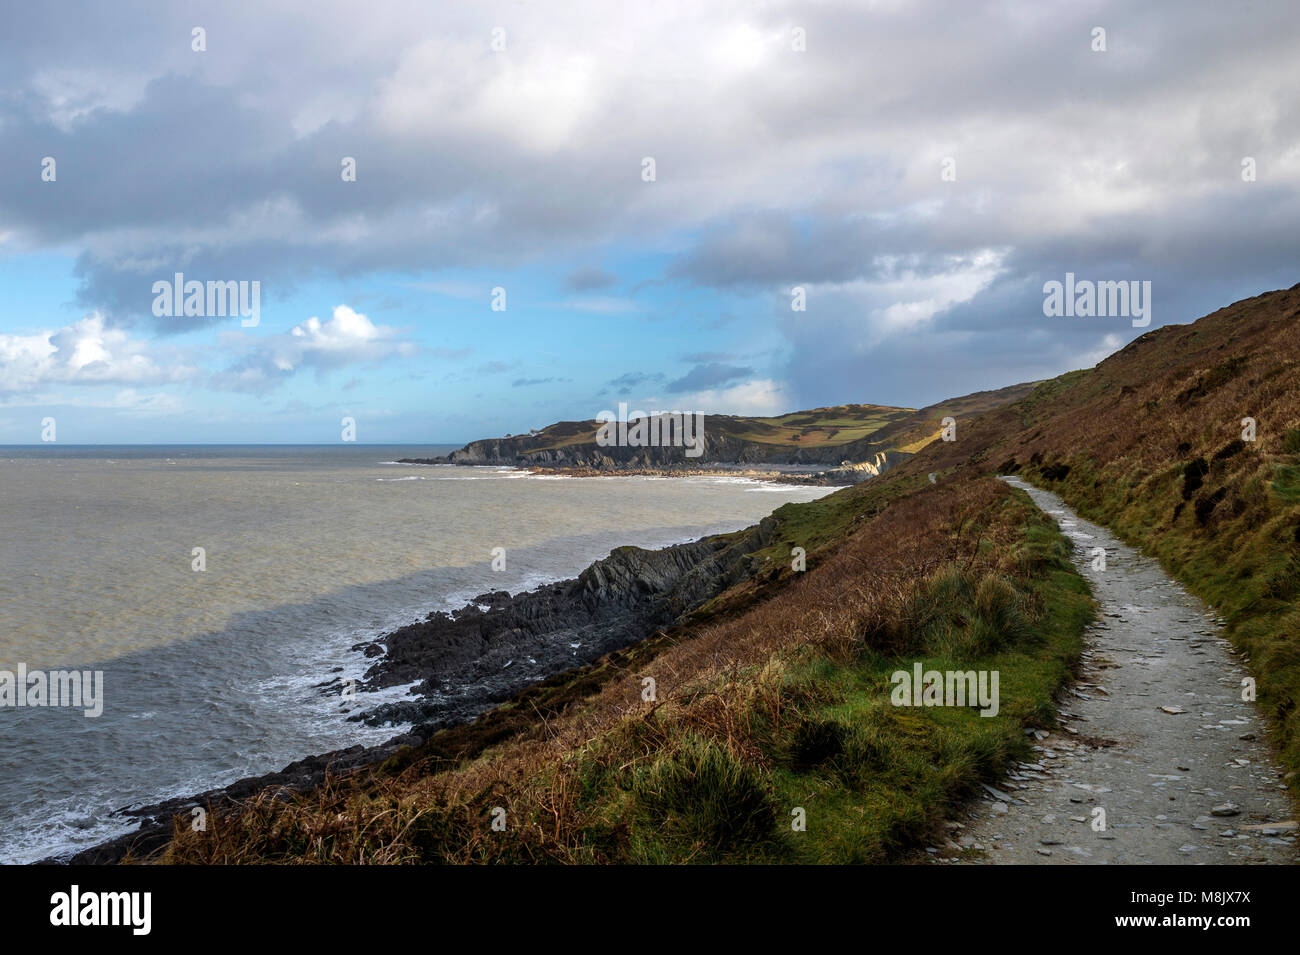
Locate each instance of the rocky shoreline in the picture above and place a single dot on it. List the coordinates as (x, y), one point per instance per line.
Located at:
(778, 474)
(466, 662)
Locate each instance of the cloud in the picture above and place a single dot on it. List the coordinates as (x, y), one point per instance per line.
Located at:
(347, 338)
(142, 404)
(710, 375)
(775, 168)
(708, 356)
(633, 379)
(601, 305)
(86, 353)
(762, 397)
(527, 382)
(589, 278)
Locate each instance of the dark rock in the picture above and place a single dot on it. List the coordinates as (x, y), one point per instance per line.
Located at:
(459, 660)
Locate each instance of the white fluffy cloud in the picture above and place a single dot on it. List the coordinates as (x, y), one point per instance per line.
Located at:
(346, 338)
(762, 397)
(86, 353)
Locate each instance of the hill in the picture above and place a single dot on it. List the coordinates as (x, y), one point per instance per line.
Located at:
(768, 699)
(1187, 444)
(877, 434)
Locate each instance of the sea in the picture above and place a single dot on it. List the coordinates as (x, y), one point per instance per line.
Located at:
(216, 587)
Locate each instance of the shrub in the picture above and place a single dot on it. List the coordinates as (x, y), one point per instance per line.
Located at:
(815, 741)
(704, 794)
(1194, 477)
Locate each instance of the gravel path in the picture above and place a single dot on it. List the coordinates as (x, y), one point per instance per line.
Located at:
(1156, 736)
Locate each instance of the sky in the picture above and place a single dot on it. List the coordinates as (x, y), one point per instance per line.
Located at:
(646, 192)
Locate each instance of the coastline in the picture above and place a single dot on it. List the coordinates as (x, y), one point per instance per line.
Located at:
(470, 661)
(814, 478)
(808, 475)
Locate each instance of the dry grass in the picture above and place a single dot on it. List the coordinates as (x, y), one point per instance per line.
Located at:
(698, 773)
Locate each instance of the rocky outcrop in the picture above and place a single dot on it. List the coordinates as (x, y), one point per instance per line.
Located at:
(718, 447)
(847, 473)
(498, 645)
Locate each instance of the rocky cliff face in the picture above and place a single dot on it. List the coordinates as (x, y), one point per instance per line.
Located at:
(527, 451)
(498, 644)
(877, 464)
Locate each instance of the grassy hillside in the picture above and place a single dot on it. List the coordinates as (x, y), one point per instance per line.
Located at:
(854, 432)
(774, 697)
(820, 427)
(1150, 443)
(779, 704)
